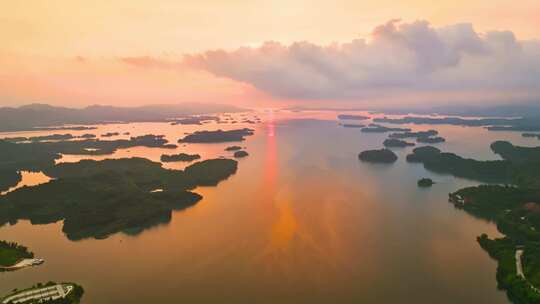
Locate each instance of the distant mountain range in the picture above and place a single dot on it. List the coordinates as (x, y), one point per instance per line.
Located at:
(33, 116)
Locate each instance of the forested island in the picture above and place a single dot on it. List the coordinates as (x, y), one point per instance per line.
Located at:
(430, 140)
(425, 182)
(378, 156)
(179, 157)
(240, 154)
(233, 148)
(195, 120)
(397, 143)
(217, 136)
(410, 134)
(99, 198)
(11, 253)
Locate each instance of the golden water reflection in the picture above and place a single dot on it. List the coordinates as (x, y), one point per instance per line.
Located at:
(302, 221)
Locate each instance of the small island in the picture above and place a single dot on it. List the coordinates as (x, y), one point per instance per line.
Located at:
(353, 126)
(48, 293)
(110, 134)
(419, 134)
(217, 136)
(240, 154)
(378, 156)
(430, 139)
(195, 120)
(179, 157)
(425, 182)
(375, 128)
(397, 143)
(233, 148)
(12, 255)
(351, 117)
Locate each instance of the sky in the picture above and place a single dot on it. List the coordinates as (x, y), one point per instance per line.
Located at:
(269, 53)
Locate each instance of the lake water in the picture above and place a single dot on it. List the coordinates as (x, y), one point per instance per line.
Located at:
(302, 221)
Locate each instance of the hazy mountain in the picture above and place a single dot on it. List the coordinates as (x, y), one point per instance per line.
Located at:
(42, 115)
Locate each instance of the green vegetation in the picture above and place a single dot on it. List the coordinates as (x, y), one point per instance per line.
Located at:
(240, 154)
(503, 250)
(11, 253)
(421, 153)
(378, 156)
(425, 182)
(514, 208)
(514, 153)
(434, 160)
(179, 157)
(8, 179)
(40, 156)
(99, 198)
(217, 136)
(396, 143)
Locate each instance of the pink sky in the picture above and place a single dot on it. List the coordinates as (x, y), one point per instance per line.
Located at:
(78, 53)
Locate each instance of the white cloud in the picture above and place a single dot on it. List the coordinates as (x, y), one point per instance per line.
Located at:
(399, 57)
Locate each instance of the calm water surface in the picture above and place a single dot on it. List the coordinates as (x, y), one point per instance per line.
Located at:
(302, 221)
